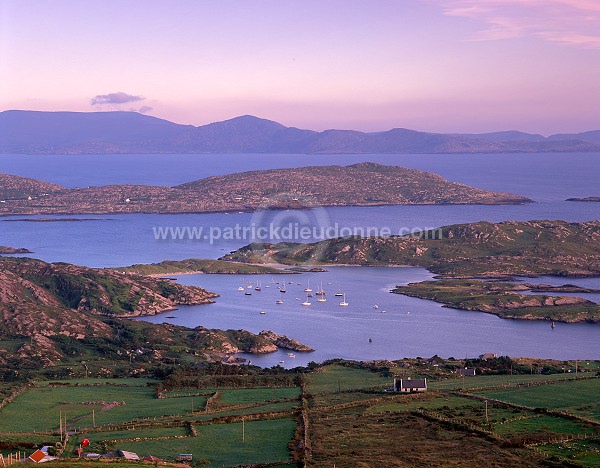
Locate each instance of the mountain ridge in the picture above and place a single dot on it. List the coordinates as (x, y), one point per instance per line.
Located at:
(39, 132)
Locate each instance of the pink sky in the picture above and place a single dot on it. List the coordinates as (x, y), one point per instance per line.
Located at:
(433, 65)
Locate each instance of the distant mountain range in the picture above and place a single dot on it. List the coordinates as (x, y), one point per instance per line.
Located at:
(33, 132)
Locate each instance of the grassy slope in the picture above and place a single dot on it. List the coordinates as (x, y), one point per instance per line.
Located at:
(581, 397)
(331, 378)
(38, 409)
(221, 444)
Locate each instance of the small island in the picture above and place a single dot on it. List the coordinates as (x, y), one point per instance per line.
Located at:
(505, 300)
(363, 184)
(584, 199)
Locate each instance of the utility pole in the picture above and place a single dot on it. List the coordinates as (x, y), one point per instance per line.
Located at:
(243, 431)
(94, 416)
(486, 412)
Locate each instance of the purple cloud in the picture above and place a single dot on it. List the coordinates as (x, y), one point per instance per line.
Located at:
(114, 98)
(573, 22)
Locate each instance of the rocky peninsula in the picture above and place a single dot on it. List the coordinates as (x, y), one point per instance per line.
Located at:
(197, 265)
(474, 250)
(505, 300)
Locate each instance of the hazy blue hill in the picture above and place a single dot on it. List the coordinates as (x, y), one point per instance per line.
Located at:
(592, 136)
(130, 132)
(506, 136)
(245, 134)
(81, 132)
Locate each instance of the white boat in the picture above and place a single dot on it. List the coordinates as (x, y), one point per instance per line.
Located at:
(262, 312)
(344, 303)
(306, 302)
(279, 301)
(291, 355)
(248, 293)
(375, 306)
(249, 286)
(321, 291)
(241, 288)
(258, 288)
(308, 287)
(322, 299)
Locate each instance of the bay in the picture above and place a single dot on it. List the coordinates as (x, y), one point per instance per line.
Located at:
(117, 240)
(399, 327)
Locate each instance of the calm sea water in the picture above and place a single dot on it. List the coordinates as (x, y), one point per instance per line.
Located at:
(110, 241)
(409, 327)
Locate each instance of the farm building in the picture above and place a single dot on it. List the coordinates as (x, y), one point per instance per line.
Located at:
(466, 371)
(410, 385)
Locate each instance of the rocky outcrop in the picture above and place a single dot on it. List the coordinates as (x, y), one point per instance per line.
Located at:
(243, 341)
(4, 250)
(96, 291)
(39, 299)
(282, 341)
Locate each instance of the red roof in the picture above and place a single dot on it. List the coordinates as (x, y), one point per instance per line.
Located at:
(37, 456)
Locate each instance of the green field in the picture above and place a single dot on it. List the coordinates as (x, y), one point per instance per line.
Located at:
(333, 378)
(547, 424)
(11, 443)
(580, 397)
(257, 395)
(221, 444)
(480, 381)
(586, 452)
(39, 408)
(128, 381)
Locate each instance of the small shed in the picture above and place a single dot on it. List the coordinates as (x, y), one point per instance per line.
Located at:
(128, 455)
(410, 385)
(466, 371)
(184, 457)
